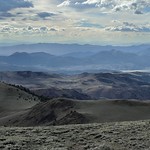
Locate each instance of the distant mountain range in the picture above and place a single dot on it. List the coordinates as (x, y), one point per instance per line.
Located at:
(62, 49)
(76, 62)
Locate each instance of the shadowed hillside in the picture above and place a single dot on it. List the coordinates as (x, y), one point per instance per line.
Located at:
(14, 101)
(66, 111)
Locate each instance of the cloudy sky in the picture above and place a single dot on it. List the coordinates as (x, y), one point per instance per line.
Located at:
(103, 22)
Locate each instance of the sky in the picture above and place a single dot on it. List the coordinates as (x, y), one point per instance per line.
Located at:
(101, 22)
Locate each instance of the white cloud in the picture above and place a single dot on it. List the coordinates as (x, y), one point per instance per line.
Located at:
(65, 3)
(27, 30)
(129, 27)
(83, 21)
(136, 6)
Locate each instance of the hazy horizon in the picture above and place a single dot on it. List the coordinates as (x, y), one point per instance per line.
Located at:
(98, 44)
(66, 48)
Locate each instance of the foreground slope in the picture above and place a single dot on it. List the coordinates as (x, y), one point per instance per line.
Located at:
(108, 136)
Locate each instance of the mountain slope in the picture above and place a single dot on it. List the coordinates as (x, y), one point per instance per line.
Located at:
(13, 100)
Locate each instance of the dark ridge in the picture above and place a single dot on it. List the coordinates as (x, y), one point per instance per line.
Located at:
(46, 113)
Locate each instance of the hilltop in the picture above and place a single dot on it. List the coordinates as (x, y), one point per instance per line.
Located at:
(67, 111)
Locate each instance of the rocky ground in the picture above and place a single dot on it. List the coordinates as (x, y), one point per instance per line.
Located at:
(108, 136)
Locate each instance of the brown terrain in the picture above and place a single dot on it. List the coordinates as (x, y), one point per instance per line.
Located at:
(58, 112)
(133, 85)
(19, 108)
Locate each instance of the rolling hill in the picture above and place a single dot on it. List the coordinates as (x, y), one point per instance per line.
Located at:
(115, 85)
(14, 101)
(67, 111)
(73, 99)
